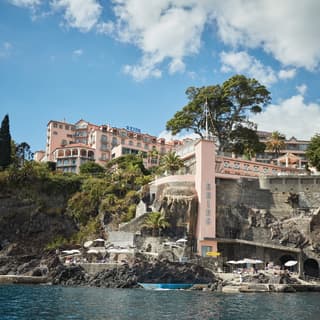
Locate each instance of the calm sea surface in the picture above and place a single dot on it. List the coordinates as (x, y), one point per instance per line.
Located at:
(51, 302)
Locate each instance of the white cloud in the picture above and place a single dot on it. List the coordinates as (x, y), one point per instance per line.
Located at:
(77, 53)
(242, 62)
(176, 65)
(25, 3)
(285, 29)
(287, 74)
(146, 69)
(162, 30)
(170, 30)
(302, 89)
(180, 136)
(292, 117)
(105, 27)
(5, 49)
(80, 14)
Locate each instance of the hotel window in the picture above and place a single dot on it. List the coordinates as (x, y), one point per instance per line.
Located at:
(208, 212)
(208, 186)
(55, 132)
(114, 141)
(104, 138)
(236, 165)
(139, 144)
(55, 125)
(226, 164)
(208, 220)
(130, 143)
(60, 126)
(208, 195)
(146, 146)
(67, 127)
(123, 141)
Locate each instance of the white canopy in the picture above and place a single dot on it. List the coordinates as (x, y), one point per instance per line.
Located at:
(87, 244)
(73, 251)
(291, 263)
(113, 250)
(97, 250)
(181, 240)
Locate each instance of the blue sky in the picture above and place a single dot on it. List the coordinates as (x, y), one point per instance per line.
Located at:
(130, 62)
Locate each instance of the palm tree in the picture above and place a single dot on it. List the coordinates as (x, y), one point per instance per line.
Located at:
(156, 221)
(171, 162)
(276, 142)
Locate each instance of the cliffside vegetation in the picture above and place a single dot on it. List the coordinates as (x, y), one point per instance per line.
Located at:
(91, 199)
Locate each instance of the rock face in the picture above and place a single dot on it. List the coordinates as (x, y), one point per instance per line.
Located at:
(279, 217)
(28, 223)
(126, 276)
(179, 202)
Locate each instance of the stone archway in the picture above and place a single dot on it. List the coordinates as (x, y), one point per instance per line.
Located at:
(283, 259)
(311, 268)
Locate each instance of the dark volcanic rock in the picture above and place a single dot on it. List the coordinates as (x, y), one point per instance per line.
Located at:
(73, 275)
(127, 276)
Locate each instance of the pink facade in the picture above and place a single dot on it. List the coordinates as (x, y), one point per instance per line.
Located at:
(104, 140)
(205, 166)
(206, 188)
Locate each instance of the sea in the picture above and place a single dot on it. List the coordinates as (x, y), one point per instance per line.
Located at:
(53, 302)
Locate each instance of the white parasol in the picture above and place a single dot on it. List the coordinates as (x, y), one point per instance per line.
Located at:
(291, 263)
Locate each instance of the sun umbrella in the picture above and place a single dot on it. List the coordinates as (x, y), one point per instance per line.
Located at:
(252, 261)
(291, 263)
(88, 243)
(181, 240)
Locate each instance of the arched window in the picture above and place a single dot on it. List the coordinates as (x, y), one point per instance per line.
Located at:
(311, 268)
(91, 154)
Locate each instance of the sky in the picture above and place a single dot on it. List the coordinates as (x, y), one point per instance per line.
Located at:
(129, 62)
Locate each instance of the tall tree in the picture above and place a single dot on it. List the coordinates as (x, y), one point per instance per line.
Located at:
(229, 106)
(313, 152)
(5, 143)
(276, 142)
(23, 153)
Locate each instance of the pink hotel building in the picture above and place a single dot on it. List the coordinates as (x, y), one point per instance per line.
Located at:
(203, 167)
(70, 145)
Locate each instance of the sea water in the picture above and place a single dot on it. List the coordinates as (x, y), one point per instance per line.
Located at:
(53, 302)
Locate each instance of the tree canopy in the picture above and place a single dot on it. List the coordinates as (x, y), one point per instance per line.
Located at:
(5, 143)
(171, 162)
(313, 152)
(229, 106)
(91, 168)
(275, 142)
(156, 221)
